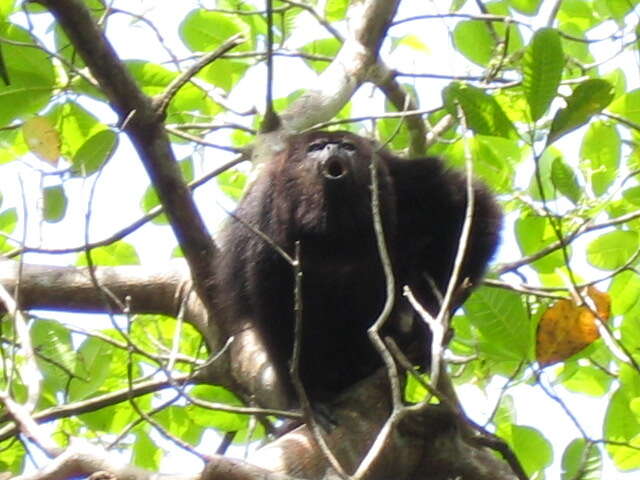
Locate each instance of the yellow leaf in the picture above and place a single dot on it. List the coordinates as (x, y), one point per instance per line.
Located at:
(43, 139)
(566, 328)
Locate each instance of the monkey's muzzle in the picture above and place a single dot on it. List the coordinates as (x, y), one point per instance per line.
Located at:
(334, 167)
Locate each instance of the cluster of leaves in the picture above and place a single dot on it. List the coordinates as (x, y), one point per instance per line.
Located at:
(554, 137)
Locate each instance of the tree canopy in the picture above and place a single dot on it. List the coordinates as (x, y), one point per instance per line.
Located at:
(128, 130)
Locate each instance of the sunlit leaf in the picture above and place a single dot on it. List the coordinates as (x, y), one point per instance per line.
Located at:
(613, 249)
(622, 426)
(528, 7)
(43, 139)
(119, 253)
(31, 73)
(581, 460)
(473, 39)
(204, 31)
(501, 319)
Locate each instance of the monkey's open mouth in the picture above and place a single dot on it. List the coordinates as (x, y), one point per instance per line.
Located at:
(333, 168)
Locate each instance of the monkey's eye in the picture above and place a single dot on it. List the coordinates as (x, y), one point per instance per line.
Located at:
(316, 147)
(348, 146)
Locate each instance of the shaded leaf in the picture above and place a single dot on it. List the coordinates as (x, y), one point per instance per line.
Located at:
(600, 153)
(542, 66)
(564, 179)
(482, 112)
(589, 98)
(54, 203)
(95, 152)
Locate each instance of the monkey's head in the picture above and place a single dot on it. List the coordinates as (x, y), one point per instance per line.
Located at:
(328, 178)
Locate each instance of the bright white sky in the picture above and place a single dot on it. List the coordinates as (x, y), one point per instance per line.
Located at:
(112, 212)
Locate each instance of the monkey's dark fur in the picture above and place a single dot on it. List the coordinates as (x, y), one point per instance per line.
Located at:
(318, 191)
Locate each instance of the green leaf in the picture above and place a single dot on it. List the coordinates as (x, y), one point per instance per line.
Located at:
(154, 79)
(564, 180)
(75, 124)
(119, 253)
(612, 250)
(589, 98)
(31, 73)
(204, 31)
(225, 421)
(482, 112)
(8, 220)
(225, 73)
(501, 319)
(577, 12)
(473, 39)
(534, 233)
(542, 66)
(146, 453)
(528, 7)
(54, 203)
(232, 182)
(95, 152)
(632, 195)
(624, 292)
(600, 153)
(327, 47)
(53, 342)
(628, 106)
(92, 368)
(544, 184)
(622, 425)
(335, 10)
(588, 380)
(530, 446)
(581, 460)
(13, 457)
(177, 421)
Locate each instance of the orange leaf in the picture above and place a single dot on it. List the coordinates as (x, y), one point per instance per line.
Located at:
(42, 138)
(566, 328)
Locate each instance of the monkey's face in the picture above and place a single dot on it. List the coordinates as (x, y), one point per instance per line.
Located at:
(331, 172)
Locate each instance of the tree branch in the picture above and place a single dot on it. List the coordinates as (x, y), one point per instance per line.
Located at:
(142, 119)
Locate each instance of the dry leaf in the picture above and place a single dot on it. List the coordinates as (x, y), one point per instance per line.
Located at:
(43, 139)
(566, 328)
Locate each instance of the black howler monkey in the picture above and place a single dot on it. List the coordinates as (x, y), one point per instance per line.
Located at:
(318, 191)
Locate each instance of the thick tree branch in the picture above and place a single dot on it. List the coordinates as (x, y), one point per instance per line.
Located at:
(368, 21)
